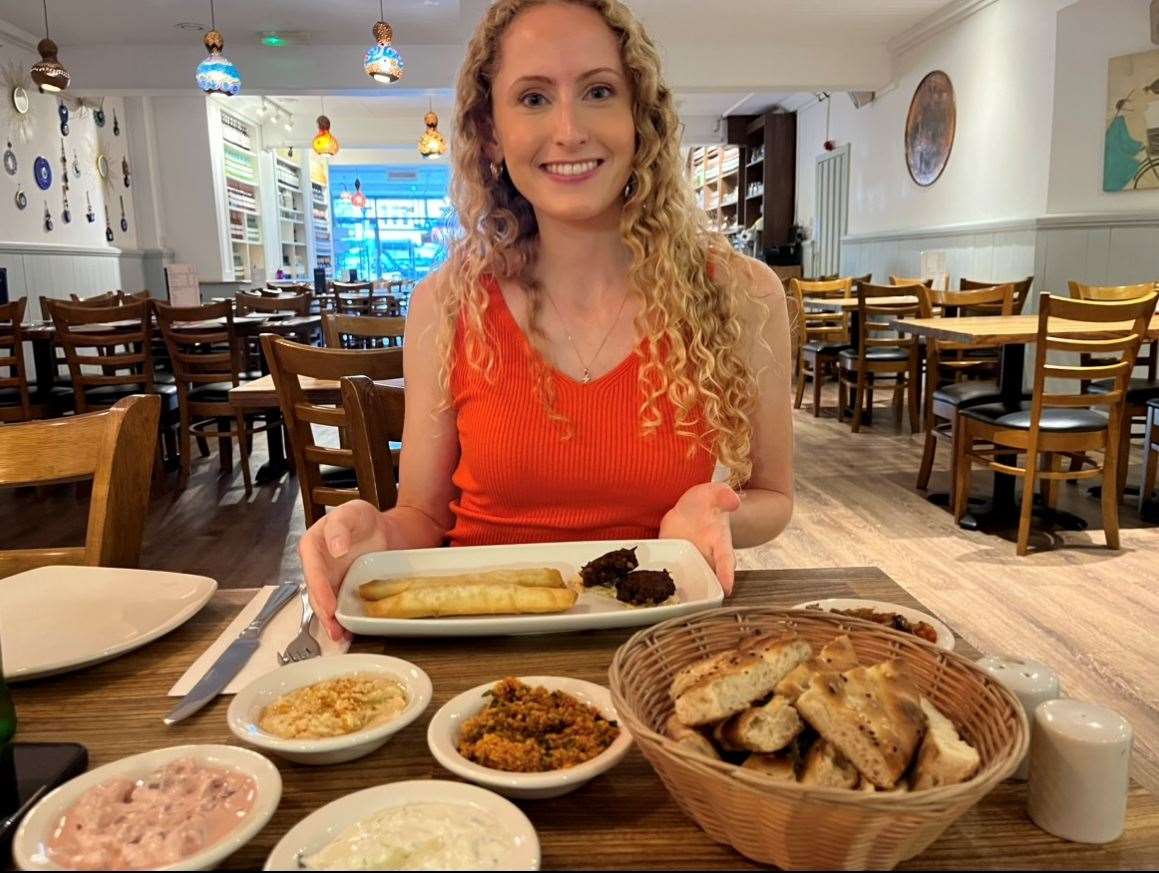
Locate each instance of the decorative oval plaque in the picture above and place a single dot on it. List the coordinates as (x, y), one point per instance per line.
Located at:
(929, 128)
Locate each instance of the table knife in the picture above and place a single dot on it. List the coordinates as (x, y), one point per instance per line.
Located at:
(236, 656)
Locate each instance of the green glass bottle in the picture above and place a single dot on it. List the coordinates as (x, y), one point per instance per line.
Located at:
(7, 710)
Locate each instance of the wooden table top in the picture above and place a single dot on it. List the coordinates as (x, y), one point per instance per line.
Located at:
(260, 393)
(844, 304)
(623, 819)
(1000, 330)
(243, 324)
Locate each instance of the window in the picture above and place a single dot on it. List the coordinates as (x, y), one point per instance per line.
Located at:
(401, 231)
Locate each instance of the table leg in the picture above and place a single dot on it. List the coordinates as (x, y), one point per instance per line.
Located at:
(855, 341)
(42, 359)
(276, 467)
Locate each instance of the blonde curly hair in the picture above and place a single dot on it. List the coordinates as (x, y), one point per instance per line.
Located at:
(692, 312)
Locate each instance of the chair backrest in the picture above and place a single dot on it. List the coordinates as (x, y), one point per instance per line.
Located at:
(13, 374)
(116, 339)
(290, 288)
(355, 303)
(875, 317)
(108, 298)
(202, 343)
(375, 416)
(116, 448)
(1112, 351)
(1079, 291)
(827, 288)
(351, 287)
(296, 304)
(339, 330)
(1021, 289)
(986, 300)
(289, 362)
(902, 280)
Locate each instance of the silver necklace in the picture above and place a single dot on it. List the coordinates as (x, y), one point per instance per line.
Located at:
(587, 367)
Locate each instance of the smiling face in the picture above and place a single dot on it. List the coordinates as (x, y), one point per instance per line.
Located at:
(562, 112)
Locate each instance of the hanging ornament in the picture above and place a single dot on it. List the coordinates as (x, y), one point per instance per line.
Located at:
(63, 166)
(48, 73)
(47, 218)
(216, 74)
(124, 221)
(108, 227)
(99, 116)
(432, 144)
(90, 216)
(116, 124)
(75, 165)
(383, 63)
(21, 199)
(42, 172)
(62, 113)
(324, 141)
(125, 170)
(66, 213)
(358, 199)
(10, 165)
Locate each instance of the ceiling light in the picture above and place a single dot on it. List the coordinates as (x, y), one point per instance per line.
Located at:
(383, 63)
(432, 144)
(324, 142)
(272, 39)
(49, 73)
(216, 75)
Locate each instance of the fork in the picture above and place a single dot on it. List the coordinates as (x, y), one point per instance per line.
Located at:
(303, 646)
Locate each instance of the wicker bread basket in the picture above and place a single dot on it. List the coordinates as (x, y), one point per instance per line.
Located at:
(804, 827)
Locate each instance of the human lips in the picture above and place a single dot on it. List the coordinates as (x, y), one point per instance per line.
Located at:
(572, 170)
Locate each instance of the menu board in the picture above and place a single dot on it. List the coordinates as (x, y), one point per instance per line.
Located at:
(181, 283)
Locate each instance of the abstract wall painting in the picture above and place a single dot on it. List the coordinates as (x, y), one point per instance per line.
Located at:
(929, 128)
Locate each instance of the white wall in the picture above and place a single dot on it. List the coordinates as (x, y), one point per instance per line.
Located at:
(1090, 33)
(1001, 63)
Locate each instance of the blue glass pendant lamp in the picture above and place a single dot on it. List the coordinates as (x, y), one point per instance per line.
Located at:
(383, 63)
(217, 74)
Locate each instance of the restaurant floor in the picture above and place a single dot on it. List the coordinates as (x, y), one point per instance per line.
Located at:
(1088, 612)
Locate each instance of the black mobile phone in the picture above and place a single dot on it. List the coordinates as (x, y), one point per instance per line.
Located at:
(28, 771)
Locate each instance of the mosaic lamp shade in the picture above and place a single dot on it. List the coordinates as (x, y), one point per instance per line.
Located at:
(383, 63)
(217, 74)
(48, 73)
(432, 144)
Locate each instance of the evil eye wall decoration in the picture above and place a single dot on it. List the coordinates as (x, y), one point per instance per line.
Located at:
(21, 198)
(124, 221)
(90, 216)
(75, 165)
(66, 213)
(116, 124)
(47, 218)
(99, 117)
(10, 165)
(42, 172)
(62, 111)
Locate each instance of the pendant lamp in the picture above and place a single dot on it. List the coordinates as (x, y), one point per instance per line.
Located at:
(432, 144)
(216, 74)
(49, 73)
(324, 142)
(383, 63)
(358, 199)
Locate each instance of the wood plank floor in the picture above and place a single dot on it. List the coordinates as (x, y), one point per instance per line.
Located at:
(1089, 612)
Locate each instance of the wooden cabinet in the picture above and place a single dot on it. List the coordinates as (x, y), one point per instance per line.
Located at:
(767, 174)
(715, 174)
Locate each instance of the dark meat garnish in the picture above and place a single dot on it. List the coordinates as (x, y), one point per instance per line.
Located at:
(610, 568)
(890, 619)
(645, 587)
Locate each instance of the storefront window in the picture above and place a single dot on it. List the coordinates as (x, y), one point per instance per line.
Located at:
(401, 231)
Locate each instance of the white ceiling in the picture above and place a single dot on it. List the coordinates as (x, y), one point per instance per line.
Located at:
(445, 22)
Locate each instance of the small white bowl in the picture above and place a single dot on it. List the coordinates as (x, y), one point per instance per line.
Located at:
(246, 708)
(443, 736)
(29, 845)
(316, 830)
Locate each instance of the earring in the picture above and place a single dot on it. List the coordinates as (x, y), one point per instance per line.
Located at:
(630, 188)
(497, 170)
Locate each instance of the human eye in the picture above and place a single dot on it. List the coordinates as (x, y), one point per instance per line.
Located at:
(533, 99)
(601, 92)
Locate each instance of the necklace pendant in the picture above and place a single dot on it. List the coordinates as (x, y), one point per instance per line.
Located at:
(587, 375)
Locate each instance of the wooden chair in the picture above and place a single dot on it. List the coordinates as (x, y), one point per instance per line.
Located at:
(942, 402)
(361, 331)
(374, 414)
(116, 449)
(881, 354)
(1021, 289)
(290, 288)
(1058, 425)
(15, 400)
(901, 280)
(108, 298)
(206, 361)
(1150, 452)
(1140, 389)
(293, 304)
(818, 337)
(289, 363)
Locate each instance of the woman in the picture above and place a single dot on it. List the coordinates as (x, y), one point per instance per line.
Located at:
(590, 351)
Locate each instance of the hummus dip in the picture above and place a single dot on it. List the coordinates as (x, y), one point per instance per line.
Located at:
(334, 708)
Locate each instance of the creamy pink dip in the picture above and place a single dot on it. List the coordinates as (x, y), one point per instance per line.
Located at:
(126, 824)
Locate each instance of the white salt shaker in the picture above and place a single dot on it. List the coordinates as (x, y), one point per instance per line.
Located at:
(1031, 682)
(1081, 754)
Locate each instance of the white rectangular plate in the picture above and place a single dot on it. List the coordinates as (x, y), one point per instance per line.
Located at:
(696, 587)
(56, 619)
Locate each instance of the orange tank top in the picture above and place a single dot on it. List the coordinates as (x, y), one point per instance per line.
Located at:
(521, 481)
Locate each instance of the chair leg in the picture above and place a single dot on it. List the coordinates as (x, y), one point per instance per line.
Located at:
(1051, 463)
(243, 452)
(898, 400)
(913, 387)
(800, 388)
(224, 446)
(1028, 483)
(927, 465)
(1110, 498)
(842, 395)
(1123, 462)
(859, 402)
(1150, 457)
(818, 371)
(202, 446)
(186, 460)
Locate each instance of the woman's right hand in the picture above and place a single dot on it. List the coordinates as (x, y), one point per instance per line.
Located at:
(328, 549)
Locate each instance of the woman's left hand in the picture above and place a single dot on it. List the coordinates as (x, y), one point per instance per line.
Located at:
(701, 517)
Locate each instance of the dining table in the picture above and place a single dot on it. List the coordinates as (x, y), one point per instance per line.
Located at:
(1012, 334)
(623, 819)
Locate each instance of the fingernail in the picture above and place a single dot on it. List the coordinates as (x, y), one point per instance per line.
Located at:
(337, 549)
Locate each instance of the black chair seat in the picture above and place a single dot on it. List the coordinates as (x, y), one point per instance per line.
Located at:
(1153, 403)
(823, 348)
(876, 354)
(968, 393)
(107, 395)
(10, 397)
(1053, 420)
(338, 477)
(212, 392)
(1139, 391)
(161, 377)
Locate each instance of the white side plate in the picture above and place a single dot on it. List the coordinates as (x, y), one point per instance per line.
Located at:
(945, 636)
(697, 587)
(319, 828)
(57, 619)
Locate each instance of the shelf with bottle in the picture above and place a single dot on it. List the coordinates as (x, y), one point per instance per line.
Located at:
(236, 132)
